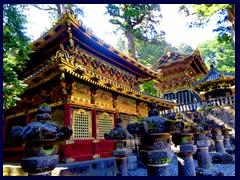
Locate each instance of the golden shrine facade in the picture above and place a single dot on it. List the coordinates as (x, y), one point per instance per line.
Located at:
(215, 84)
(87, 83)
(178, 73)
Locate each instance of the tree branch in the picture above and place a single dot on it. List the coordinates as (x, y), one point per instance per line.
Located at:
(139, 21)
(45, 9)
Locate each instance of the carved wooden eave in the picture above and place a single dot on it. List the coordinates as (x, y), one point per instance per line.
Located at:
(63, 63)
(94, 78)
(221, 83)
(214, 80)
(42, 75)
(171, 58)
(68, 30)
(69, 25)
(178, 71)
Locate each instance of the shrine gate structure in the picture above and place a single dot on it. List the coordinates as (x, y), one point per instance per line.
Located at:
(179, 72)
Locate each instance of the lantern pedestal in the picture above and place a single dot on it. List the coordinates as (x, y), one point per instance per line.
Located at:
(156, 153)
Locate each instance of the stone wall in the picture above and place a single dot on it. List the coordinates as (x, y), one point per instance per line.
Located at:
(97, 167)
(219, 114)
(224, 114)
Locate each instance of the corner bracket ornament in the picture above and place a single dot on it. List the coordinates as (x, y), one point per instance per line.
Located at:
(63, 54)
(62, 69)
(160, 74)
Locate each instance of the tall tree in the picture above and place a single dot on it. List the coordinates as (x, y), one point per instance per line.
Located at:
(136, 21)
(182, 48)
(222, 53)
(148, 53)
(204, 12)
(15, 53)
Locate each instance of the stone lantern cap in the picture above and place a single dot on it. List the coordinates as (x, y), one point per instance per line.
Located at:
(42, 129)
(118, 133)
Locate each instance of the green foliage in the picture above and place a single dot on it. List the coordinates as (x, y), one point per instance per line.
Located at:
(148, 53)
(15, 53)
(204, 12)
(183, 48)
(199, 109)
(56, 10)
(208, 108)
(149, 88)
(121, 45)
(223, 53)
(136, 21)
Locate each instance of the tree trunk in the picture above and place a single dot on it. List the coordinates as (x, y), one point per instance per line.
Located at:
(59, 10)
(130, 44)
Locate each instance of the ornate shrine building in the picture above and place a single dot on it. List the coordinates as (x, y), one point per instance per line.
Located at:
(87, 83)
(178, 73)
(215, 84)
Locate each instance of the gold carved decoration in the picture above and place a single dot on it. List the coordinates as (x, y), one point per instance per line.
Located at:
(62, 54)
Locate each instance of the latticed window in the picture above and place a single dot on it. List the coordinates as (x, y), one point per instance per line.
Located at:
(82, 124)
(104, 123)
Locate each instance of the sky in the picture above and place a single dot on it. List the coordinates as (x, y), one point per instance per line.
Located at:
(172, 23)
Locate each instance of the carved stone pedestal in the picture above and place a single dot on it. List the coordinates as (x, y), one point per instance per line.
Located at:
(41, 157)
(203, 143)
(226, 141)
(185, 159)
(42, 145)
(121, 154)
(204, 160)
(218, 139)
(156, 153)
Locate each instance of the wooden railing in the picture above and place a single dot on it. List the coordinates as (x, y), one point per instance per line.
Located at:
(222, 101)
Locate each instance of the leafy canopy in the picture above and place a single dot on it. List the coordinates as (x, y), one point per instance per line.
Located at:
(223, 53)
(136, 21)
(56, 10)
(224, 13)
(15, 53)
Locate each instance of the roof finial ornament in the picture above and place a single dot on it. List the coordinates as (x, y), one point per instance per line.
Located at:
(61, 47)
(213, 63)
(70, 10)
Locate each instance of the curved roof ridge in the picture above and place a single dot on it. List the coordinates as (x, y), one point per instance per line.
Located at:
(210, 72)
(79, 23)
(167, 53)
(64, 15)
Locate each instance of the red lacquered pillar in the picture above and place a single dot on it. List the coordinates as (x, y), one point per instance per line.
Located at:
(94, 131)
(67, 122)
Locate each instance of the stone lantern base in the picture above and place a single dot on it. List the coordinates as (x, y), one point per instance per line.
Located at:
(157, 161)
(39, 166)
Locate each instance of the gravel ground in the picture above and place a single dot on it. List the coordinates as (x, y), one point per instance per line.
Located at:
(227, 169)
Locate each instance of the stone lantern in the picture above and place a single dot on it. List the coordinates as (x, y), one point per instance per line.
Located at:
(218, 139)
(182, 136)
(226, 137)
(42, 145)
(120, 135)
(154, 143)
(205, 167)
